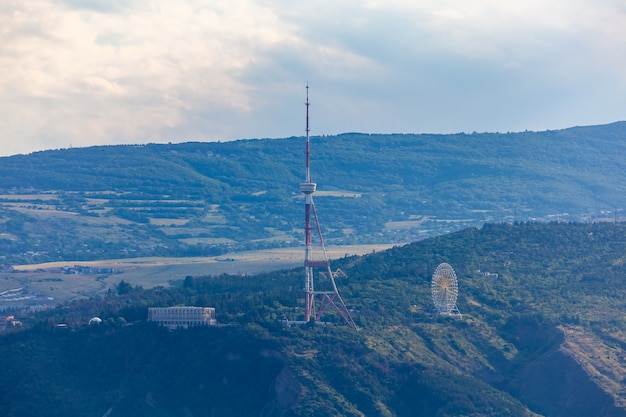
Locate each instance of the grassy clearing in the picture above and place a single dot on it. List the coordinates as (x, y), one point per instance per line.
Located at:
(338, 193)
(406, 224)
(28, 197)
(206, 240)
(168, 222)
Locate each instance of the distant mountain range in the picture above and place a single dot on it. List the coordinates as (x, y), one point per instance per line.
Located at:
(210, 198)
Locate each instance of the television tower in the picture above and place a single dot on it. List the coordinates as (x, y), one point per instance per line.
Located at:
(330, 298)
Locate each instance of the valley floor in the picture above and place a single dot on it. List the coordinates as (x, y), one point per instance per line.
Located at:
(57, 282)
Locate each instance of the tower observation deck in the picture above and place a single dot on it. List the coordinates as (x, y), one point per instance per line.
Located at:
(317, 301)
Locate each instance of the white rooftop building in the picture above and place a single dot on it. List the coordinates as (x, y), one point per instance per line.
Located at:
(184, 317)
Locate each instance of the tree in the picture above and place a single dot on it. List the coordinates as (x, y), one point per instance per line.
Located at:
(123, 288)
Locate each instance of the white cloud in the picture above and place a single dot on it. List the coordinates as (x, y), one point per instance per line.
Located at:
(124, 74)
(89, 72)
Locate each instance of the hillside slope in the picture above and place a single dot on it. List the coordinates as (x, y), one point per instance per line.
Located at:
(207, 198)
(541, 333)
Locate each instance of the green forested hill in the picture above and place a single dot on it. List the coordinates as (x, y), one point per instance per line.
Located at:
(207, 198)
(541, 333)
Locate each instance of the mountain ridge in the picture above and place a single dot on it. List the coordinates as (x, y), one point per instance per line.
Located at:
(209, 198)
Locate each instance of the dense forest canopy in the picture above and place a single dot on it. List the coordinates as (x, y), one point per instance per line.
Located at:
(541, 332)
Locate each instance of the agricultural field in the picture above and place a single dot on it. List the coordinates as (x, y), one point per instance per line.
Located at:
(52, 283)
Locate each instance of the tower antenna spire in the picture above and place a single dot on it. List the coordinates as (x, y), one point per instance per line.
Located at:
(308, 141)
(330, 297)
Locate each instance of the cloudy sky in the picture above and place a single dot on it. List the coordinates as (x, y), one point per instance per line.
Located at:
(77, 73)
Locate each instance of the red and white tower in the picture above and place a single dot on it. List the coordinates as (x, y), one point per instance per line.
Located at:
(314, 309)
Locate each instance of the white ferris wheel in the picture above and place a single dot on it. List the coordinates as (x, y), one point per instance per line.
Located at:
(445, 289)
